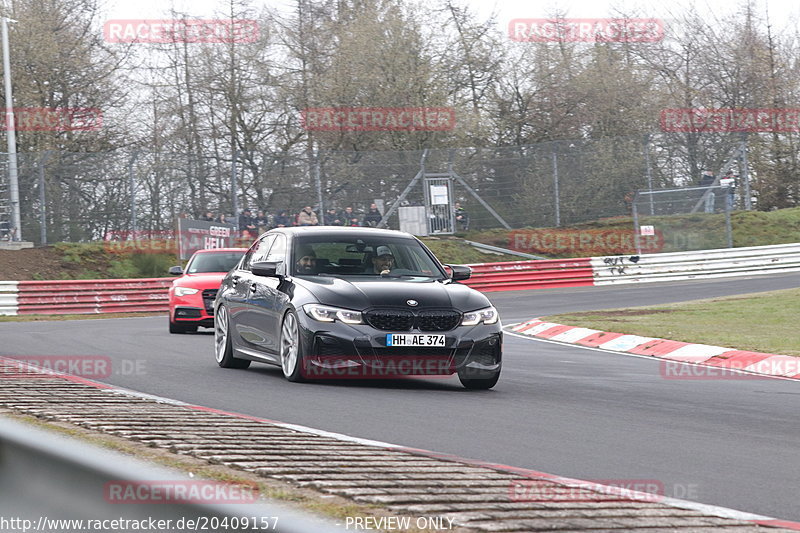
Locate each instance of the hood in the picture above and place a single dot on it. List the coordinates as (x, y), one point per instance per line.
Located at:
(206, 280)
(362, 293)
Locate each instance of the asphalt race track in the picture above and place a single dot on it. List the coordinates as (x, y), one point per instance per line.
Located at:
(558, 409)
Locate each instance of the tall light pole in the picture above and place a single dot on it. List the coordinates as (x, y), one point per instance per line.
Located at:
(11, 137)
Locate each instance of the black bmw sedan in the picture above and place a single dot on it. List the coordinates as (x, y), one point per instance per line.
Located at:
(349, 303)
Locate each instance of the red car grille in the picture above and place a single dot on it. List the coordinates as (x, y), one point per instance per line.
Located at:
(208, 300)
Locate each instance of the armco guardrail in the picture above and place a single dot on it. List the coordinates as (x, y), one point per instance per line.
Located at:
(544, 274)
(130, 295)
(51, 483)
(677, 266)
(84, 296)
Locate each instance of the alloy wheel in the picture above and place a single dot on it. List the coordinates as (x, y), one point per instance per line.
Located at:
(290, 338)
(221, 332)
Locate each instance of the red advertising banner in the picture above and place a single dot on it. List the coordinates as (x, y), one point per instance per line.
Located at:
(196, 235)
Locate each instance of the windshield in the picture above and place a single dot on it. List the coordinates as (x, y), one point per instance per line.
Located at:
(213, 262)
(376, 257)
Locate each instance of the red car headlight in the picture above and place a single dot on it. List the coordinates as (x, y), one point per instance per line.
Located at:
(185, 291)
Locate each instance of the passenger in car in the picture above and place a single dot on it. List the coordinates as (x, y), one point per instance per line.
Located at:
(383, 261)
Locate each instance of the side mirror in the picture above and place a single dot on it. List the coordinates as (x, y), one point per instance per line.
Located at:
(460, 272)
(265, 268)
(175, 271)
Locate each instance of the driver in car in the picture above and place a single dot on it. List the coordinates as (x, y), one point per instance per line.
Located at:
(306, 262)
(383, 261)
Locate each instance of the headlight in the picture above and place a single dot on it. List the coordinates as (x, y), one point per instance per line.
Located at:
(185, 291)
(487, 316)
(325, 313)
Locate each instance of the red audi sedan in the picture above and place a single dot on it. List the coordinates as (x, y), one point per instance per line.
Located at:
(191, 297)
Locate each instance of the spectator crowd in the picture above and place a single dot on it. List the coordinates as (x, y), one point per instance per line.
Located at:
(251, 225)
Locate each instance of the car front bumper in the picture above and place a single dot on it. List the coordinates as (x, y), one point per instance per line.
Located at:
(192, 309)
(337, 350)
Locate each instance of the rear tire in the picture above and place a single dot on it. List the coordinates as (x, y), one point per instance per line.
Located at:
(223, 345)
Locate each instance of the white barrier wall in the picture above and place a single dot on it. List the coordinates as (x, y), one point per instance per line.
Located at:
(9, 304)
(704, 264)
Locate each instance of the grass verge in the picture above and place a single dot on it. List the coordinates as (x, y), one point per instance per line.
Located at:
(700, 230)
(453, 250)
(761, 322)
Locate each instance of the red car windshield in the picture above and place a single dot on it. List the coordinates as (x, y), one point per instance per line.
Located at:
(216, 262)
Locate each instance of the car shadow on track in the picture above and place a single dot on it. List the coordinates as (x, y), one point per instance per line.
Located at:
(440, 383)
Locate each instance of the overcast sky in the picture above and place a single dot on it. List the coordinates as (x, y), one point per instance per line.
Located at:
(781, 12)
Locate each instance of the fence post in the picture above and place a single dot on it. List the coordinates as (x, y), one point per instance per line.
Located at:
(318, 179)
(636, 224)
(132, 190)
(649, 172)
(748, 202)
(234, 186)
(555, 187)
(728, 206)
(43, 199)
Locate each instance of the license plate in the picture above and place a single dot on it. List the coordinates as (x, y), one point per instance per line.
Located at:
(401, 339)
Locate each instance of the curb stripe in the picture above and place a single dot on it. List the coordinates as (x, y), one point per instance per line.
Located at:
(538, 328)
(574, 334)
(773, 365)
(695, 353)
(526, 325)
(658, 347)
(625, 343)
(737, 359)
(598, 338)
(552, 332)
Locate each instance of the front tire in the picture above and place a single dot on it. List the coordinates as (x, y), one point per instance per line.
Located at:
(292, 357)
(223, 345)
